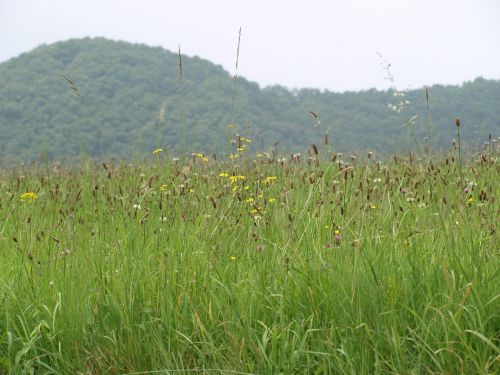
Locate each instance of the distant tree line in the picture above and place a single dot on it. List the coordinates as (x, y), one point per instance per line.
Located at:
(103, 98)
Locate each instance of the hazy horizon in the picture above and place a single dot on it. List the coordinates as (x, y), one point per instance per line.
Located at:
(324, 45)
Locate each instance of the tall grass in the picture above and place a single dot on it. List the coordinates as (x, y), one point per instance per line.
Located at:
(252, 265)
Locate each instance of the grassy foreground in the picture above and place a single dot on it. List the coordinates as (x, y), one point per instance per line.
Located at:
(303, 265)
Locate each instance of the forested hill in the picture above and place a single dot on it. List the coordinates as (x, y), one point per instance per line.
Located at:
(104, 98)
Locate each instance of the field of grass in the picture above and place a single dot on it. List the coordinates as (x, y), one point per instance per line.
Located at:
(252, 264)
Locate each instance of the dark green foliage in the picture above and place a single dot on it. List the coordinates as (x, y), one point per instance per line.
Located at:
(124, 86)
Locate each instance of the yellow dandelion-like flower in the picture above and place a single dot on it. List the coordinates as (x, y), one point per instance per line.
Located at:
(232, 257)
(246, 187)
(158, 151)
(373, 206)
(249, 200)
(235, 179)
(270, 180)
(470, 200)
(272, 200)
(337, 231)
(163, 187)
(29, 197)
(223, 174)
(259, 155)
(235, 188)
(234, 156)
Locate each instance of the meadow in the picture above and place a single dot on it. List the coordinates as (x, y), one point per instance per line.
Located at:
(252, 264)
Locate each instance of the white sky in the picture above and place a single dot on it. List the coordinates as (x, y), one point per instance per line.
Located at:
(314, 43)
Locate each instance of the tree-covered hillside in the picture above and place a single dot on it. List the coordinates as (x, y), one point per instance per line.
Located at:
(105, 98)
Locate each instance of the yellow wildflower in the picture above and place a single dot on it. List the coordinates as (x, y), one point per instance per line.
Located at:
(233, 258)
(270, 180)
(158, 151)
(29, 197)
(223, 174)
(271, 200)
(202, 157)
(163, 187)
(234, 179)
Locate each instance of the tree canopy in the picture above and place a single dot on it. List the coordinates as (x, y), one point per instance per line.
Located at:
(105, 98)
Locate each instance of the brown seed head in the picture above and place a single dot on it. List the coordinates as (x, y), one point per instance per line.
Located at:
(457, 122)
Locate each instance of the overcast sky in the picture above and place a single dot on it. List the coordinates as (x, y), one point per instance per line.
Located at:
(316, 43)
